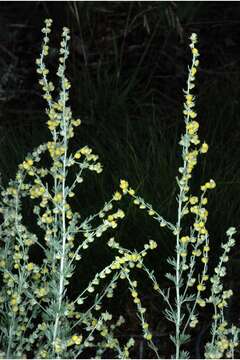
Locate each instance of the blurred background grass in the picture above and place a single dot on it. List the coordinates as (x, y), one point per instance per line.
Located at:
(128, 66)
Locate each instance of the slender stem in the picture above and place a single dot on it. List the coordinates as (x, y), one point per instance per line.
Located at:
(62, 262)
(178, 230)
(178, 303)
(214, 327)
(63, 215)
(10, 338)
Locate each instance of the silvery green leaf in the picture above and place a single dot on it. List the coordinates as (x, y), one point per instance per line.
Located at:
(172, 261)
(184, 338)
(173, 339)
(169, 315)
(191, 297)
(231, 231)
(171, 277)
(184, 354)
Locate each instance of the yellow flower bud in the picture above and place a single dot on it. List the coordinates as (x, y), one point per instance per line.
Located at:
(204, 148)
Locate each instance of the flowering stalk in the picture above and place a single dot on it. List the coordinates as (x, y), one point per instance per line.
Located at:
(63, 98)
(194, 244)
(188, 165)
(42, 320)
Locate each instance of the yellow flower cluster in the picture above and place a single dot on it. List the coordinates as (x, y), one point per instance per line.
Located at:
(41, 292)
(119, 261)
(185, 239)
(55, 150)
(54, 113)
(17, 257)
(47, 217)
(209, 185)
(11, 191)
(133, 259)
(136, 299)
(204, 148)
(193, 200)
(36, 191)
(75, 340)
(124, 186)
(30, 266)
(191, 159)
(223, 344)
(15, 301)
(193, 322)
(43, 354)
(58, 346)
(41, 68)
(2, 263)
(87, 151)
(76, 122)
(52, 124)
(27, 164)
(58, 198)
(119, 214)
(201, 287)
(193, 126)
(117, 196)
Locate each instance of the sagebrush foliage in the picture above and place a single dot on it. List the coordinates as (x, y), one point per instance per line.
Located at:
(38, 318)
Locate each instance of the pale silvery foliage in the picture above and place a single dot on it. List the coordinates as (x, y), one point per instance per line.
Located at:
(190, 276)
(38, 318)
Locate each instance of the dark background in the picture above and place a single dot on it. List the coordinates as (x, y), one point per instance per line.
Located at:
(128, 66)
